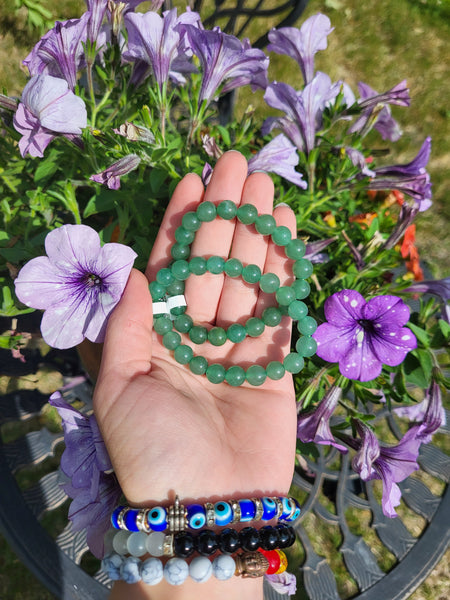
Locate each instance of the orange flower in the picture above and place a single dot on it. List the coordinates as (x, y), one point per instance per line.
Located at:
(364, 219)
(408, 241)
(409, 250)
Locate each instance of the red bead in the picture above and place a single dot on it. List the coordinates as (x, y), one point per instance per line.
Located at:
(274, 560)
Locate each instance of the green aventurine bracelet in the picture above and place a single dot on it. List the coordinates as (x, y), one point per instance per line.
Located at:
(169, 283)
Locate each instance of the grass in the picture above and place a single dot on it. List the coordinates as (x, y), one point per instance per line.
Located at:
(380, 43)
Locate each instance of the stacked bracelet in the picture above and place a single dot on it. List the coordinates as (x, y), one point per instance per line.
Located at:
(151, 571)
(197, 516)
(169, 283)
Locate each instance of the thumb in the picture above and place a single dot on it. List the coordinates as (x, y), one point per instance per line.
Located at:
(127, 350)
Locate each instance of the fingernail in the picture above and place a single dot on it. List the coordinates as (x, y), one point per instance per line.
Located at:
(282, 204)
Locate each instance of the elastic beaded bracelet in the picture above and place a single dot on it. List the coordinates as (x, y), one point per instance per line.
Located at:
(170, 282)
(151, 571)
(197, 516)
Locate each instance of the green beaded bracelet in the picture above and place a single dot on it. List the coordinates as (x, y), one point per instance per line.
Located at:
(170, 323)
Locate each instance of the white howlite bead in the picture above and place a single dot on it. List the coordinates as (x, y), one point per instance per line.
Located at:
(152, 571)
(200, 569)
(120, 542)
(136, 543)
(108, 541)
(111, 564)
(154, 543)
(223, 567)
(130, 569)
(176, 571)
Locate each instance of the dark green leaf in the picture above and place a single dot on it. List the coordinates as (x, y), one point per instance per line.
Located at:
(102, 202)
(420, 334)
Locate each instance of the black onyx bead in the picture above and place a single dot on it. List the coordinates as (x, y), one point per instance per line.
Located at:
(249, 538)
(183, 544)
(229, 541)
(269, 537)
(286, 536)
(207, 542)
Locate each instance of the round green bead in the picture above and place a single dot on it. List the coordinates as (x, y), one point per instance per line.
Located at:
(197, 265)
(247, 214)
(235, 376)
(307, 326)
(183, 323)
(281, 236)
(198, 365)
(183, 354)
(178, 310)
(180, 251)
(306, 346)
(171, 340)
(180, 270)
(293, 362)
(302, 289)
(269, 282)
(183, 236)
(256, 375)
(251, 273)
(176, 288)
(275, 370)
(206, 211)
(236, 333)
(190, 221)
(162, 325)
(271, 316)
(215, 264)
(254, 327)
(233, 267)
(215, 373)
(285, 295)
(157, 290)
(302, 268)
(265, 224)
(217, 336)
(295, 249)
(297, 310)
(198, 334)
(164, 276)
(227, 210)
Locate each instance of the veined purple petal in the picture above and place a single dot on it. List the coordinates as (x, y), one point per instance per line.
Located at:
(399, 95)
(112, 174)
(368, 452)
(278, 156)
(438, 287)
(283, 583)
(302, 44)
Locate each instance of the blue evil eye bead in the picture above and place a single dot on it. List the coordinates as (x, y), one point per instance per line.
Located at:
(248, 510)
(295, 510)
(269, 508)
(157, 518)
(196, 516)
(223, 513)
(114, 517)
(287, 508)
(129, 519)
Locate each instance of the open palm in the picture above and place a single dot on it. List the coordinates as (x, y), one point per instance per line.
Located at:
(168, 430)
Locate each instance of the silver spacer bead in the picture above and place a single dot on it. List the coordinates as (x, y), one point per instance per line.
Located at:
(168, 545)
(279, 506)
(209, 508)
(176, 517)
(120, 518)
(142, 521)
(237, 513)
(259, 509)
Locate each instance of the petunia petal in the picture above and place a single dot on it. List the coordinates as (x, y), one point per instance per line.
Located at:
(387, 312)
(344, 308)
(391, 348)
(360, 362)
(39, 284)
(73, 247)
(333, 342)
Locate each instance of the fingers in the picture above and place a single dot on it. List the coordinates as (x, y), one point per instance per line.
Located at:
(215, 238)
(187, 196)
(127, 349)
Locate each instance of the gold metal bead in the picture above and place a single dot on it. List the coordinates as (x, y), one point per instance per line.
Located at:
(251, 564)
(209, 508)
(259, 509)
(142, 521)
(279, 506)
(120, 518)
(237, 513)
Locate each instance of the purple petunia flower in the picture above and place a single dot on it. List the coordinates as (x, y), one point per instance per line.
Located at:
(78, 284)
(283, 583)
(303, 109)
(158, 42)
(314, 252)
(407, 215)
(112, 174)
(358, 159)
(59, 53)
(411, 178)
(429, 413)
(225, 59)
(314, 426)
(437, 287)
(278, 156)
(93, 489)
(362, 336)
(376, 112)
(302, 44)
(207, 174)
(47, 109)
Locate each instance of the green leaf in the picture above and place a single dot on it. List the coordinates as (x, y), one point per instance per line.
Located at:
(417, 369)
(102, 202)
(46, 168)
(225, 135)
(445, 328)
(420, 334)
(157, 178)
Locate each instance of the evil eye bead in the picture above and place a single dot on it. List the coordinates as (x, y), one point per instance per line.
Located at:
(196, 516)
(269, 508)
(248, 510)
(157, 519)
(129, 519)
(287, 508)
(295, 510)
(223, 513)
